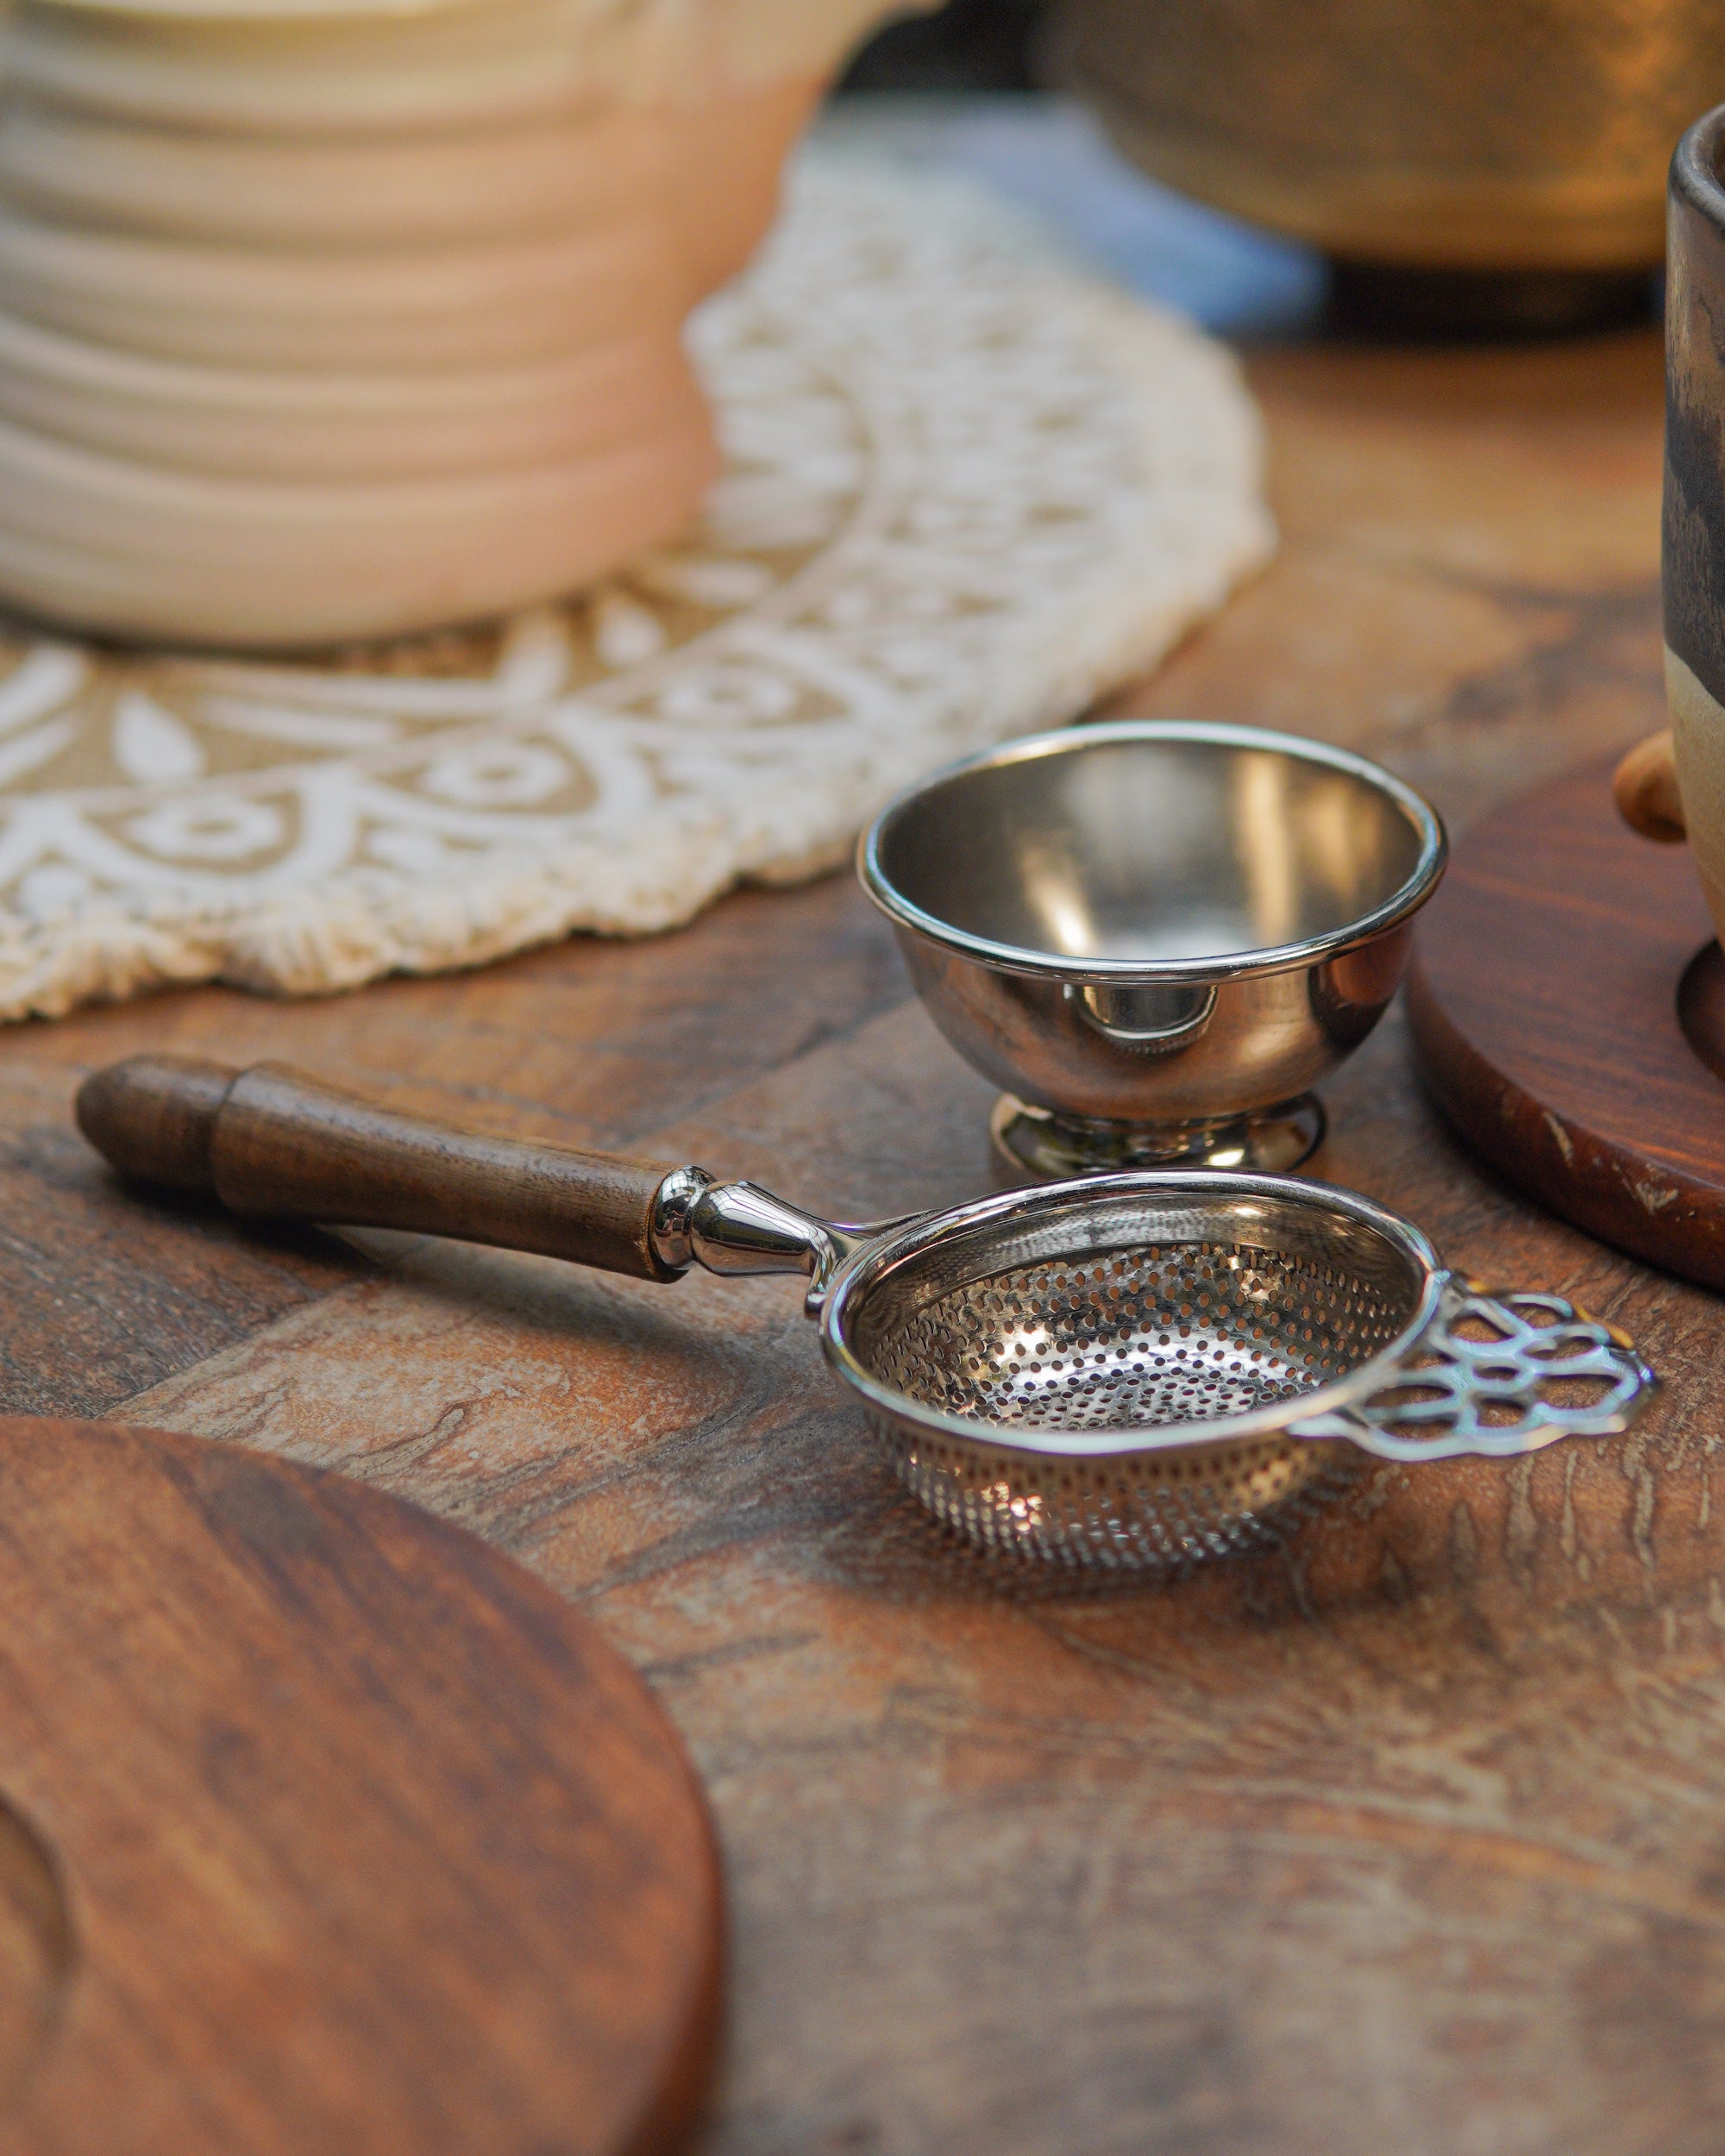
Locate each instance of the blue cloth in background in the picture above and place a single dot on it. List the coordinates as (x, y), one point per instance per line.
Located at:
(1049, 156)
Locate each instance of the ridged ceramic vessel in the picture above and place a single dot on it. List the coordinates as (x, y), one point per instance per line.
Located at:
(1480, 136)
(322, 322)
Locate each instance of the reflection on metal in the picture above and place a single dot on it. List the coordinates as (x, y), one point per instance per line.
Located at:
(1033, 1145)
(1152, 1020)
(1156, 938)
(1265, 816)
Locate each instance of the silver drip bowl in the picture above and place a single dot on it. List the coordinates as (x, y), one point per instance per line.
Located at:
(1155, 935)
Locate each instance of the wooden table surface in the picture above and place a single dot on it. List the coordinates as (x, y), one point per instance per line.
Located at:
(1410, 1838)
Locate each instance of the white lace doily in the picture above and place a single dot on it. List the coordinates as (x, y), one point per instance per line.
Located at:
(968, 489)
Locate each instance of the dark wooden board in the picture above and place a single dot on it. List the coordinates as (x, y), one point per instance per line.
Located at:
(1544, 1002)
(1405, 1838)
(324, 1829)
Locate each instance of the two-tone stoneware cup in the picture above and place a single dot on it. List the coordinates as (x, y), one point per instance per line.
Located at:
(1672, 785)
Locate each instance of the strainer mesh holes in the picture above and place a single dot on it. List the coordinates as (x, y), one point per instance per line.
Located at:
(1164, 1514)
(1141, 1338)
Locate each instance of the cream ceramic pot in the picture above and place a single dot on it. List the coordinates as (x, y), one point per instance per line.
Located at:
(320, 322)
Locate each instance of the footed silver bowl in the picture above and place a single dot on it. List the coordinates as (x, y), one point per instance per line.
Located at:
(1156, 936)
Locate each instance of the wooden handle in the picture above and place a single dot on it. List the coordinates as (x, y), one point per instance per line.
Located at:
(1644, 787)
(274, 1143)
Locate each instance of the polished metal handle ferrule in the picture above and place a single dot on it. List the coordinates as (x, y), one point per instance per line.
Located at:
(673, 1205)
(738, 1228)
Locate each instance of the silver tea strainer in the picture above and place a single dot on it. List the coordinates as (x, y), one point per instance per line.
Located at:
(1129, 1370)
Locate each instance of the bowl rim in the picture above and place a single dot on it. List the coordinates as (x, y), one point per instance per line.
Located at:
(1694, 175)
(1401, 905)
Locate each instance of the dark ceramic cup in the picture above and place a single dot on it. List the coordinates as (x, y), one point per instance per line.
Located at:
(1674, 785)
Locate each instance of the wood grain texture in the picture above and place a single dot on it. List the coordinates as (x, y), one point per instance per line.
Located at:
(324, 1831)
(100, 1300)
(1468, 584)
(1407, 1839)
(1543, 1000)
(1023, 1865)
(590, 1044)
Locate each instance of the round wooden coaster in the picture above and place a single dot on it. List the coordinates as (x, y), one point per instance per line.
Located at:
(1545, 1002)
(325, 1829)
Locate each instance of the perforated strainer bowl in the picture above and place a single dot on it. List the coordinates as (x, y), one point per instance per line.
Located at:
(1144, 1370)
(1138, 1369)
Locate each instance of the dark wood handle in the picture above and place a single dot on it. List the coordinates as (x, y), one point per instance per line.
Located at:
(274, 1143)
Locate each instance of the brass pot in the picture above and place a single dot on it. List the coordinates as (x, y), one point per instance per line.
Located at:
(1466, 136)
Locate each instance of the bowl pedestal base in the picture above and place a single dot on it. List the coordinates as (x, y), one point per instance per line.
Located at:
(1029, 1144)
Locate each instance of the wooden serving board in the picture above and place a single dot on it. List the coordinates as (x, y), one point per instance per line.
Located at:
(325, 1829)
(1554, 973)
